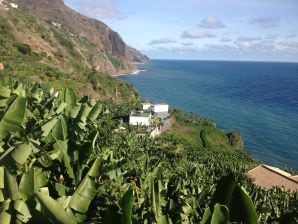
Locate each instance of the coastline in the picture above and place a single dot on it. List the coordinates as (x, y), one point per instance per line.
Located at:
(134, 72)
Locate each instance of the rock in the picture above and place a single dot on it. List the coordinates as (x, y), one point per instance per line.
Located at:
(236, 140)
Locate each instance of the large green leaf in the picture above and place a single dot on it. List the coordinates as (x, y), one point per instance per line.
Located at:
(63, 147)
(207, 216)
(22, 211)
(5, 216)
(67, 96)
(242, 209)
(12, 119)
(11, 186)
(32, 180)
(86, 190)
(84, 111)
(21, 153)
(83, 195)
(53, 210)
(4, 92)
(127, 204)
(220, 215)
(96, 109)
(224, 191)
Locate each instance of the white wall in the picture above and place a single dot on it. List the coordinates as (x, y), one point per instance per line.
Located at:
(160, 108)
(146, 106)
(139, 120)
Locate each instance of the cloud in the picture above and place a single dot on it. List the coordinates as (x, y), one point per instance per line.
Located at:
(104, 9)
(225, 39)
(271, 36)
(211, 22)
(162, 41)
(248, 38)
(187, 44)
(196, 34)
(265, 22)
(289, 44)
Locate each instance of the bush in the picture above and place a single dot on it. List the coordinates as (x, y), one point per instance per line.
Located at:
(23, 48)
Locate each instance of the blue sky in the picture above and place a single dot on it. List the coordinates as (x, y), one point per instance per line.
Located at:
(255, 30)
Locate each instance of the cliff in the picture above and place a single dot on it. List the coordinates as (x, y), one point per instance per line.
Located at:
(109, 53)
(46, 42)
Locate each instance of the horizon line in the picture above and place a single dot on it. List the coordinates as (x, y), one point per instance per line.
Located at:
(221, 60)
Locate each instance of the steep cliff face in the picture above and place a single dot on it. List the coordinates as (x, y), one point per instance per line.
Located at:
(135, 56)
(111, 54)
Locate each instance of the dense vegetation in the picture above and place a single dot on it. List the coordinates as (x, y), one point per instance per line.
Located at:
(64, 159)
(56, 58)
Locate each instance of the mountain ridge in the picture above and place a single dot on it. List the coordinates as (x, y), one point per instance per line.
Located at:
(44, 52)
(109, 46)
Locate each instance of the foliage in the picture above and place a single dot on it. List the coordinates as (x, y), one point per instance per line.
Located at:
(62, 161)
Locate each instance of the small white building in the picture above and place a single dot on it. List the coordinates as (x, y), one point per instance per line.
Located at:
(140, 119)
(160, 108)
(146, 106)
(15, 6)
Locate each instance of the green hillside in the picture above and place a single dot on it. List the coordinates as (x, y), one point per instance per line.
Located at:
(34, 50)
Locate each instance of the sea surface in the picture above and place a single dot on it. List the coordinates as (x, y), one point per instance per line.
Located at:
(260, 99)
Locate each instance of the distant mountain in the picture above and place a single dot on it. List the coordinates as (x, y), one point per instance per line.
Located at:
(109, 53)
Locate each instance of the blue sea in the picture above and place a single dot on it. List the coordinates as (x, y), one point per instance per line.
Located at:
(260, 99)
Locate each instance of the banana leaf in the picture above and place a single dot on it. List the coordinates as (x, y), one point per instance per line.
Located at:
(86, 190)
(224, 191)
(96, 109)
(12, 119)
(63, 147)
(220, 215)
(11, 188)
(32, 180)
(21, 153)
(68, 96)
(127, 204)
(53, 210)
(5, 216)
(242, 208)
(22, 211)
(1, 177)
(4, 92)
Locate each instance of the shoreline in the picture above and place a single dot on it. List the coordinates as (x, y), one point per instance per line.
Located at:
(135, 72)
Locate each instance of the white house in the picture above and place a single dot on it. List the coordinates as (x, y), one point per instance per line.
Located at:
(161, 111)
(140, 118)
(14, 5)
(159, 108)
(146, 106)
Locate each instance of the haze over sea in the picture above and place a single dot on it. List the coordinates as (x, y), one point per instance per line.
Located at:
(260, 99)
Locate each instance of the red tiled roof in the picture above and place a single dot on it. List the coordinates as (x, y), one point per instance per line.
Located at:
(268, 177)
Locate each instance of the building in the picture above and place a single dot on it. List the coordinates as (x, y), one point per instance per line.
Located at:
(140, 119)
(268, 176)
(160, 108)
(161, 111)
(146, 106)
(15, 6)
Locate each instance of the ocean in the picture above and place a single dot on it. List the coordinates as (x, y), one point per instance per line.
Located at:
(260, 99)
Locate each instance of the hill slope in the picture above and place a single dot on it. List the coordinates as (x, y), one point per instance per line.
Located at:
(108, 45)
(47, 51)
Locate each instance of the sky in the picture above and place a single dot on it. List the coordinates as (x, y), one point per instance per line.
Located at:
(246, 30)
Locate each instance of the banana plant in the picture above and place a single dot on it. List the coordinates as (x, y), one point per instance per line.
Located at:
(230, 202)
